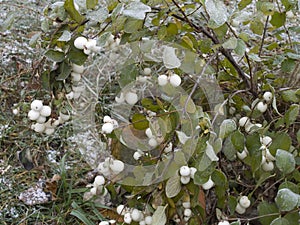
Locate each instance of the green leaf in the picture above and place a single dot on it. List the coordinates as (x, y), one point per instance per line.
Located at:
(74, 14)
(293, 55)
(190, 106)
(285, 161)
(290, 96)
(139, 121)
(257, 27)
(91, 4)
(217, 12)
(229, 150)
(159, 217)
(227, 127)
(210, 152)
(173, 186)
(288, 65)
(99, 15)
(65, 70)
(280, 221)
(293, 218)
(240, 48)
(267, 8)
(66, 36)
(132, 25)
(265, 208)
(56, 56)
(286, 200)
(278, 19)
(128, 74)
(76, 56)
(78, 213)
(238, 140)
(34, 39)
(298, 136)
(230, 44)
(136, 10)
(292, 114)
(281, 140)
(243, 4)
(253, 145)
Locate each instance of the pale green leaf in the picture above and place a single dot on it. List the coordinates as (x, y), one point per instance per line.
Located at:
(280, 221)
(292, 114)
(182, 137)
(217, 11)
(230, 44)
(210, 152)
(91, 4)
(54, 55)
(74, 14)
(173, 186)
(136, 10)
(159, 217)
(66, 36)
(285, 161)
(265, 208)
(286, 200)
(170, 58)
(227, 127)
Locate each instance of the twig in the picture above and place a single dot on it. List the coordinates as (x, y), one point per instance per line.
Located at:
(264, 36)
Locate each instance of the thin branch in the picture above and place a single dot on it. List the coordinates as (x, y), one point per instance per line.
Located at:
(264, 36)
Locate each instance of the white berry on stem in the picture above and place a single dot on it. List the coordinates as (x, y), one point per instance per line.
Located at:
(262, 107)
(33, 115)
(224, 222)
(45, 111)
(208, 185)
(107, 128)
(268, 166)
(184, 171)
(268, 96)
(148, 220)
(147, 71)
(80, 42)
(36, 105)
(99, 180)
(117, 166)
(185, 180)
(175, 80)
(244, 202)
(162, 80)
(239, 209)
(77, 68)
(127, 218)
(131, 98)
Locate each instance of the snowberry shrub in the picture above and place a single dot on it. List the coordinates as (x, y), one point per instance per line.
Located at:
(168, 81)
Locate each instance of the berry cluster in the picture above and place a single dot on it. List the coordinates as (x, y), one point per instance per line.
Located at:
(40, 113)
(87, 45)
(267, 158)
(263, 105)
(132, 214)
(109, 125)
(110, 167)
(76, 74)
(186, 174)
(242, 205)
(173, 79)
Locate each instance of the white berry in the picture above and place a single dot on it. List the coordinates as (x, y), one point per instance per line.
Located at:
(107, 128)
(208, 185)
(41, 119)
(148, 133)
(117, 166)
(242, 155)
(80, 42)
(268, 96)
(184, 171)
(45, 111)
(127, 218)
(39, 127)
(268, 166)
(262, 107)
(75, 77)
(186, 205)
(33, 115)
(152, 142)
(147, 71)
(244, 202)
(137, 155)
(91, 44)
(266, 140)
(99, 180)
(187, 212)
(148, 220)
(193, 171)
(162, 80)
(175, 80)
(15, 111)
(224, 222)
(77, 68)
(104, 223)
(120, 99)
(239, 209)
(70, 95)
(142, 222)
(49, 131)
(107, 119)
(121, 209)
(36, 105)
(131, 98)
(244, 121)
(185, 180)
(64, 117)
(136, 215)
